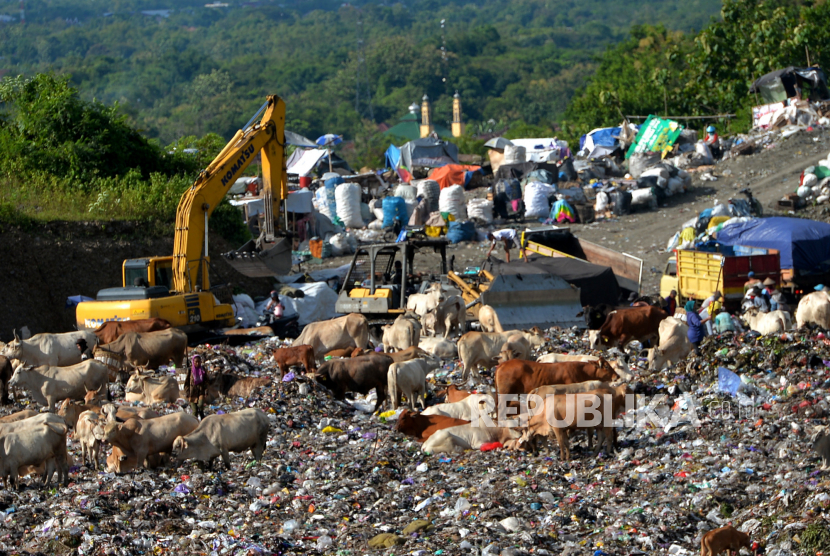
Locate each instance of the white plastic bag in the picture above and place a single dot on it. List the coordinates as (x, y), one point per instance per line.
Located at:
(347, 196)
(452, 201)
(809, 180)
(536, 199)
(673, 242)
(804, 191)
(602, 201)
(406, 191)
(481, 209)
(514, 154)
(643, 197)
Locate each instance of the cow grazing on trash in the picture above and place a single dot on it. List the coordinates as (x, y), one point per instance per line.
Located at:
(358, 374)
(150, 389)
(421, 427)
(151, 349)
(56, 350)
(48, 385)
(409, 378)
(218, 435)
(343, 332)
(286, 357)
(673, 347)
(467, 437)
(403, 333)
(141, 438)
(814, 308)
(622, 327)
(113, 329)
(38, 444)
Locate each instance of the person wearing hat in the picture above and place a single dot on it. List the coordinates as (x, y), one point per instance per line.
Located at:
(711, 138)
(275, 306)
(768, 286)
(695, 323)
(86, 352)
(759, 300)
(752, 282)
(712, 304)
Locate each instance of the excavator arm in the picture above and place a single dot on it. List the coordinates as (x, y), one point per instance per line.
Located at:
(190, 248)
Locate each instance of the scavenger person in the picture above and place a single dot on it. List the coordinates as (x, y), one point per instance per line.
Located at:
(86, 353)
(198, 384)
(509, 238)
(275, 306)
(711, 138)
(695, 333)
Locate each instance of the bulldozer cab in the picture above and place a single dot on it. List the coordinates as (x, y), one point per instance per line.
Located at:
(382, 276)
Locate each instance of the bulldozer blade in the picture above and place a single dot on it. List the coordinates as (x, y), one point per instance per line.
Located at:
(523, 301)
(274, 261)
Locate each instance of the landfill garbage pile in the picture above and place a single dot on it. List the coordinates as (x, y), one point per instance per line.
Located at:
(335, 479)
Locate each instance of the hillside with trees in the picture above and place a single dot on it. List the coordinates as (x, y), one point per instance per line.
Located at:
(178, 68)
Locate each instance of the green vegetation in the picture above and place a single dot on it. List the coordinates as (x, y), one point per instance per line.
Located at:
(65, 158)
(709, 73)
(816, 538)
(206, 70)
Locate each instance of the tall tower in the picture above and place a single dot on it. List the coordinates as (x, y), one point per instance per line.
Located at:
(426, 117)
(457, 124)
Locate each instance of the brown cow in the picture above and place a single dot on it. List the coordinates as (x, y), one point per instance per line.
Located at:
(453, 393)
(345, 352)
(358, 374)
(6, 373)
(111, 330)
(422, 427)
(520, 377)
(622, 327)
(297, 355)
(237, 386)
(726, 539)
(19, 416)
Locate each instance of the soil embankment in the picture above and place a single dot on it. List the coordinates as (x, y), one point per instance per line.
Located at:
(42, 266)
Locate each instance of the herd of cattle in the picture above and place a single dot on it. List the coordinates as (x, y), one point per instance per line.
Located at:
(142, 432)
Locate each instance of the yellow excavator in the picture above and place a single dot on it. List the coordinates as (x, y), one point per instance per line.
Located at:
(177, 288)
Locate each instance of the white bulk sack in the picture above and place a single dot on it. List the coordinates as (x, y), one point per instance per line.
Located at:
(536, 199)
(482, 209)
(452, 201)
(347, 196)
(514, 154)
(643, 197)
(431, 191)
(602, 202)
(406, 191)
(321, 201)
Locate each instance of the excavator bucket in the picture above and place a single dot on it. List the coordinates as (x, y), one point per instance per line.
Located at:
(523, 301)
(274, 261)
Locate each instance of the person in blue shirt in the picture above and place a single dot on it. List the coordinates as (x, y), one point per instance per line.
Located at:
(693, 320)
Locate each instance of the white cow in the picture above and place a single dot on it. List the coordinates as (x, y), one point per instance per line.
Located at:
(516, 347)
(773, 322)
(565, 357)
(401, 334)
(57, 350)
(674, 344)
(422, 303)
(218, 435)
(409, 378)
(49, 385)
(814, 307)
(449, 315)
(483, 348)
(467, 437)
(489, 319)
(84, 433)
(150, 390)
(482, 403)
(44, 443)
(439, 347)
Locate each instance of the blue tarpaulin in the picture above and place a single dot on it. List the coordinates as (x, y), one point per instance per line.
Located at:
(73, 300)
(393, 156)
(602, 137)
(803, 244)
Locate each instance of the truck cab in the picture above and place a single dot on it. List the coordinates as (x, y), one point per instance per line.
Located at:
(669, 281)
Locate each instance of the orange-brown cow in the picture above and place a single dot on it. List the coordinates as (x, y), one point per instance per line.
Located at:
(453, 394)
(111, 330)
(422, 427)
(520, 377)
(726, 539)
(297, 355)
(345, 352)
(622, 327)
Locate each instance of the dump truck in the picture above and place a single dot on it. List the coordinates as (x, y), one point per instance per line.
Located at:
(698, 274)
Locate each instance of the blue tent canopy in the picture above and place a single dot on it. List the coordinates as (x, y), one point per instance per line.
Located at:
(393, 156)
(803, 244)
